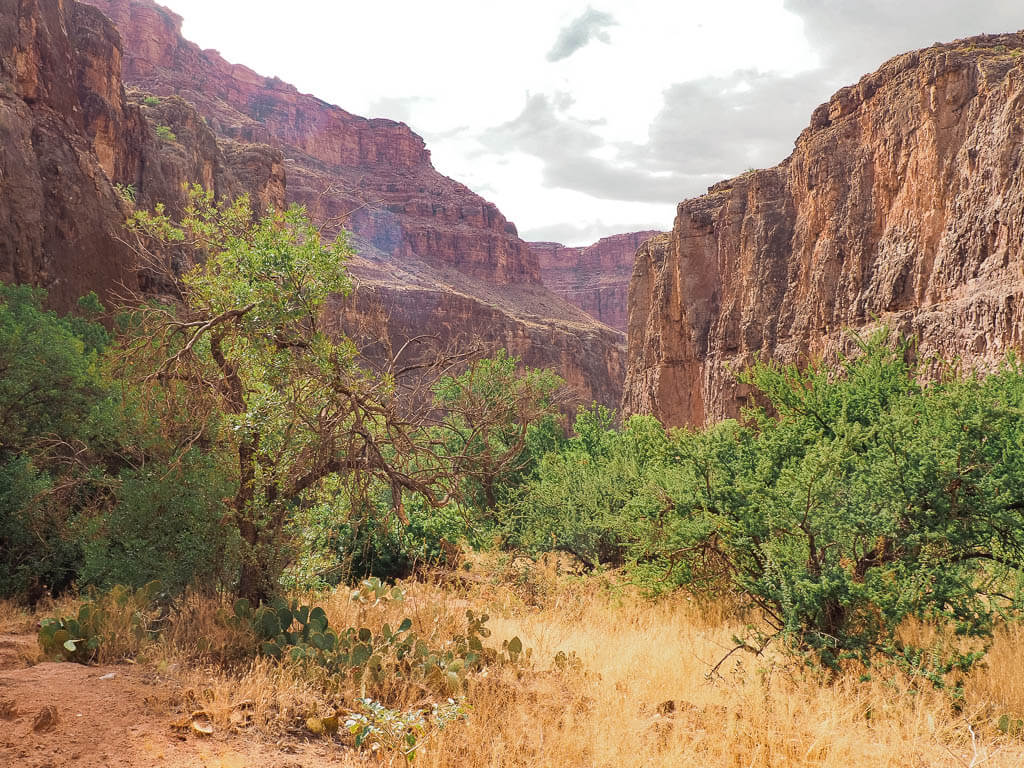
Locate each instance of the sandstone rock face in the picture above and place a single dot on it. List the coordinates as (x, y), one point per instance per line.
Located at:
(902, 203)
(74, 147)
(438, 258)
(65, 136)
(594, 278)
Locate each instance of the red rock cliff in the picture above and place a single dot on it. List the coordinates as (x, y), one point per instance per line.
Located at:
(594, 278)
(373, 176)
(903, 201)
(438, 257)
(70, 136)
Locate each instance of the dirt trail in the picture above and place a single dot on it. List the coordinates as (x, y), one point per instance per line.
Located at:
(55, 715)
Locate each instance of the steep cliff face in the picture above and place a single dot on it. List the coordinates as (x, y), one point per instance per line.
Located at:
(436, 256)
(594, 278)
(64, 134)
(902, 203)
(373, 176)
(70, 137)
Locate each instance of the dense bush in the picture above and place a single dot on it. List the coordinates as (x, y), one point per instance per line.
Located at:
(49, 384)
(857, 499)
(589, 495)
(167, 525)
(864, 499)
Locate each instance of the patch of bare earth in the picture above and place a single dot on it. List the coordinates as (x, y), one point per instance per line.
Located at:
(54, 715)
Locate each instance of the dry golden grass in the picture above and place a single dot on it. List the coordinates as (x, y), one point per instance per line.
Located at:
(638, 696)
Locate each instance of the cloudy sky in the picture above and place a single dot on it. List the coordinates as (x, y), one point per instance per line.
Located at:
(581, 119)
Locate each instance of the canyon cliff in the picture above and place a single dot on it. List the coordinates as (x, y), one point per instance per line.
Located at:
(594, 278)
(433, 257)
(902, 204)
(75, 149)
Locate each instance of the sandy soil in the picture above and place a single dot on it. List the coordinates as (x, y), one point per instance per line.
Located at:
(57, 715)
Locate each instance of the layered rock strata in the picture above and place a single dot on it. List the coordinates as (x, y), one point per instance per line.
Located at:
(374, 178)
(902, 203)
(594, 278)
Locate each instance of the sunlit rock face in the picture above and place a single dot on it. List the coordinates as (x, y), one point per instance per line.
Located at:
(437, 258)
(902, 203)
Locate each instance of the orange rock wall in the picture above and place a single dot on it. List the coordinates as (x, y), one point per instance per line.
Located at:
(902, 203)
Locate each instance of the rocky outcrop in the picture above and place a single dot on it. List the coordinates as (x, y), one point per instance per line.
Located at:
(75, 149)
(902, 203)
(594, 278)
(437, 257)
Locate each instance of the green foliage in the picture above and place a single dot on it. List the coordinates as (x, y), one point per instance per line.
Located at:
(591, 495)
(50, 387)
(244, 356)
(343, 538)
(493, 406)
(37, 548)
(48, 372)
(81, 638)
(301, 633)
(151, 101)
(863, 500)
(165, 133)
(166, 523)
(376, 727)
(127, 192)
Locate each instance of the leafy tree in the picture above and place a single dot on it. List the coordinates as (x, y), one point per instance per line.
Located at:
(48, 375)
(49, 385)
(592, 494)
(237, 361)
(489, 409)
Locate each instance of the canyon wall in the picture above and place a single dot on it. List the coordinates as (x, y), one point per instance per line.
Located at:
(902, 203)
(594, 278)
(415, 229)
(75, 149)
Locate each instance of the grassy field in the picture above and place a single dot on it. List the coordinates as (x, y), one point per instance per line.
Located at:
(631, 686)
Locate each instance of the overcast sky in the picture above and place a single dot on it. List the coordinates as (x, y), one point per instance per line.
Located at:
(581, 119)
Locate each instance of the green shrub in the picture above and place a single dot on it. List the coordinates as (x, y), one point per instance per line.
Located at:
(863, 499)
(49, 388)
(38, 551)
(166, 524)
(589, 495)
(165, 133)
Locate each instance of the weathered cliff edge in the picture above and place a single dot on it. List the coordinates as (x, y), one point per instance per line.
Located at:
(594, 278)
(437, 257)
(70, 137)
(902, 203)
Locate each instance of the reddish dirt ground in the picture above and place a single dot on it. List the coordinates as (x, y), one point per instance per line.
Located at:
(54, 715)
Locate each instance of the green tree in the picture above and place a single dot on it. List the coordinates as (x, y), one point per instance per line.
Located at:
(49, 386)
(237, 361)
(489, 410)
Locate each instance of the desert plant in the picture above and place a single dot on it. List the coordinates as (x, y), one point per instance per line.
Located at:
(376, 727)
(302, 634)
(116, 625)
(863, 500)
